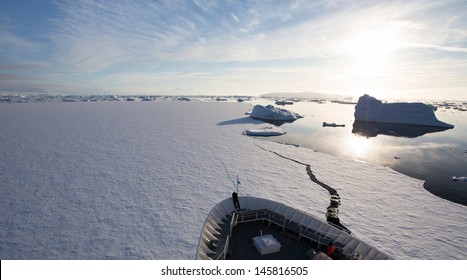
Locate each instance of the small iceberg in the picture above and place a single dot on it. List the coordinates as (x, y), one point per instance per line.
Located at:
(283, 102)
(459, 179)
(370, 109)
(326, 124)
(273, 115)
(265, 131)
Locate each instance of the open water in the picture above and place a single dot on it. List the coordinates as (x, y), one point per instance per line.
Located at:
(423, 153)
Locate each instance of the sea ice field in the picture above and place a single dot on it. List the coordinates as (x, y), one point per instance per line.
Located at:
(136, 180)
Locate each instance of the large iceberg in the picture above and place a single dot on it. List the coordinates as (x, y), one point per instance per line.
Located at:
(370, 109)
(272, 114)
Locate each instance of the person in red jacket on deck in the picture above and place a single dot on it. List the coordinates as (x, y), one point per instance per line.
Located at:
(331, 249)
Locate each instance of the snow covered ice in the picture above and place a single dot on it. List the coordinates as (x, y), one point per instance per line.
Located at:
(266, 131)
(136, 180)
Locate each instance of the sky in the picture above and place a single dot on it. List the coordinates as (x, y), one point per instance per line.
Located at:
(405, 49)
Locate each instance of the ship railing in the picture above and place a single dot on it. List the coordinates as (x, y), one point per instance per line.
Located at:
(250, 216)
(223, 254)
(233, 222)
(301, 224)
(261, 215)
(316, 231)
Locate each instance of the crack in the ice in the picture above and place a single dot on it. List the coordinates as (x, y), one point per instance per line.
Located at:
(332, 210)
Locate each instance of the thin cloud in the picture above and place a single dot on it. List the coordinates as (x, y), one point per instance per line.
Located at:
(157, 42)
(98, 35)
(93, 36)
(16, 47)
(12, 67)
(234, 17)
(441, 48)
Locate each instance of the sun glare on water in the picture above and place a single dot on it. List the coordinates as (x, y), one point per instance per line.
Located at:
(359, 146)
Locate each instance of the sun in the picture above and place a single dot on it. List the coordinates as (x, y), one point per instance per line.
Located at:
(371, 51)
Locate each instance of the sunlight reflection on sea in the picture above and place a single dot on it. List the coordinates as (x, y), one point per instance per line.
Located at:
(417, 152)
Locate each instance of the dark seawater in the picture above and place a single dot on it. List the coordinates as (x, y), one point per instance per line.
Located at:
(431, 155)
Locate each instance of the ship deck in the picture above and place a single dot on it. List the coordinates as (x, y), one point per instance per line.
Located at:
(265, 229)
(241, 245)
